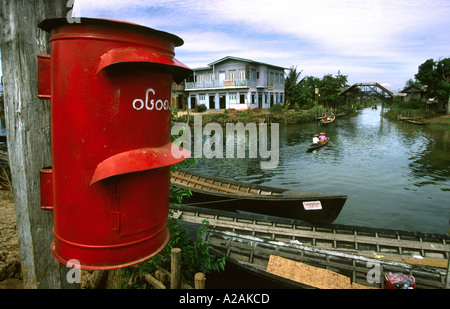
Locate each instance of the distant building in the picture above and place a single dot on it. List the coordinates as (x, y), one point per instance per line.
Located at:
(414, 92)
(179, 95)
(237, 83)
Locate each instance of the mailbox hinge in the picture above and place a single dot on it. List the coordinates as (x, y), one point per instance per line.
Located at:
(115, 221)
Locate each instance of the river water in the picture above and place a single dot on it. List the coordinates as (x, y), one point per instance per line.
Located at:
(396, 174)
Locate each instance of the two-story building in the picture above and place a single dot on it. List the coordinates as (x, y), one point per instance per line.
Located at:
(237, 83)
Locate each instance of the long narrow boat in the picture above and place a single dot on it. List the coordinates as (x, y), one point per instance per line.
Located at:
(416, 122)
(317, 146)
(225, 194)
(250, 239)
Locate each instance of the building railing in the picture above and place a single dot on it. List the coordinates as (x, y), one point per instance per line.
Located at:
(218, 84)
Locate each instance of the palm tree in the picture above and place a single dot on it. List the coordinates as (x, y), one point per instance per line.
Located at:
(292, 80)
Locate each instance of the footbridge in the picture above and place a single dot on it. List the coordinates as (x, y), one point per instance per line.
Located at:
(368, 90)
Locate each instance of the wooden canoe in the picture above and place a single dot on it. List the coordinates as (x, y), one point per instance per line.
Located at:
(319, 145)
(220, 193)
(326, 121)
(250, 239)
(416, 122)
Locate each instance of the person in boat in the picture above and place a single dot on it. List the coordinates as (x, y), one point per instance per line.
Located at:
(322, 137)
(316, 140)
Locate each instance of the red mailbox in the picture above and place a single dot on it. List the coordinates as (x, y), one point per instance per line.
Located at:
(109, 83)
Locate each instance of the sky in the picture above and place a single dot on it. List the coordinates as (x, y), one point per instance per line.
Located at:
(381, 41)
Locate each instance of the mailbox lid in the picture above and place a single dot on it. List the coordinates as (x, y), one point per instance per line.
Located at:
(53, 23)
(134, 43)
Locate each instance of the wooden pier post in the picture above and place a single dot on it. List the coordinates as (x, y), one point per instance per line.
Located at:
(199, 281)
(175, 269)
(447, 280)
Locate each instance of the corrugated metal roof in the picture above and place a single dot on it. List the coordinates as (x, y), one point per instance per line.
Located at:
(237, 59)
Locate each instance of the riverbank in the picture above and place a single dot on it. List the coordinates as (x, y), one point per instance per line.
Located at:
(428, 117)
(443, 120)
(255, 115)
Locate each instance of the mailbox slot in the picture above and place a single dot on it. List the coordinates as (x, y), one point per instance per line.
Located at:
(147, 57)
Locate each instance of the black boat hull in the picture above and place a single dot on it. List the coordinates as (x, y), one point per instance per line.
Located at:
(308, 206)
(317, 146)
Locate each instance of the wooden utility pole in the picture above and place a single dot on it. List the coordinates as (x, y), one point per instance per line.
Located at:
(28, 134)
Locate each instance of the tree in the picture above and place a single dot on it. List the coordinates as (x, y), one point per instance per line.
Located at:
(28, 135)
(307, 90)
(436, 76)
(292, 80)
(443, 87)
(330, 87)
(411, 82)
(303, 91)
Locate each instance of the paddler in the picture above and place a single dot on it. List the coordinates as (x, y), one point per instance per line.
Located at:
(316, 140)
(322, 137)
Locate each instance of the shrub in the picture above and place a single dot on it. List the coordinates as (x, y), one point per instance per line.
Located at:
(276, 109)
(200, 108)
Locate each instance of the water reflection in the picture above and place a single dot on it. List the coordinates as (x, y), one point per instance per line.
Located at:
(397, 175)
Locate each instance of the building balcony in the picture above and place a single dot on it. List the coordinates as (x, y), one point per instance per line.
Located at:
(237, 83)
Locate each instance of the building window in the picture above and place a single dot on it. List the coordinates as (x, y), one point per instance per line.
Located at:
(232, 98)
(202, 99)
(232, 75)
(241, 75)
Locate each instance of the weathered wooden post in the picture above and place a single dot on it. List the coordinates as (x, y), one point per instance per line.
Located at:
(447, 279)
(199, 281)
(28, 135)
(175, 269)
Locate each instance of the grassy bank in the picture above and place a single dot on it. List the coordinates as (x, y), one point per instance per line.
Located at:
(427, 116)
(440, 121)
(274, 115)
